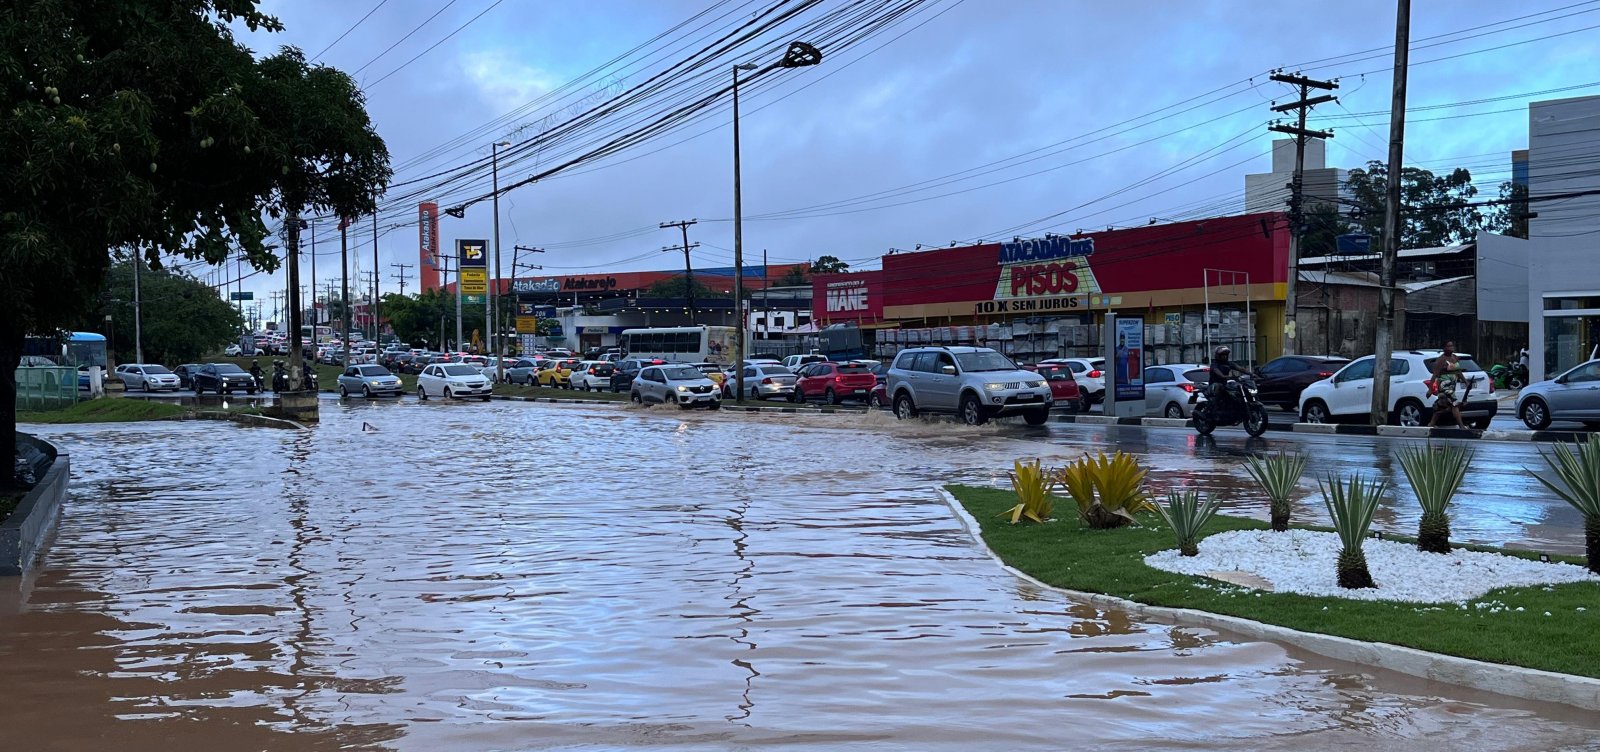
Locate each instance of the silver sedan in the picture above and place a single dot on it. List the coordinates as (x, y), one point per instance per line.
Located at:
(369, 381)
(767, 381)
(1574, 396)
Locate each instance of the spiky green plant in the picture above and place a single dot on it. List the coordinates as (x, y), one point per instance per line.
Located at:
(1278, 475)
(1032, 484)
(1185, 513)
(1109, 491)
(1435, 473)
(1578, 474)
(1351, 506)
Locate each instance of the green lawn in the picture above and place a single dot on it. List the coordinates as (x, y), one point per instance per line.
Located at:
(1066, 554)
(107, 410)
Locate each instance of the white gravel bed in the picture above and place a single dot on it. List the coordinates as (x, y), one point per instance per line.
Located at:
(1303, 561)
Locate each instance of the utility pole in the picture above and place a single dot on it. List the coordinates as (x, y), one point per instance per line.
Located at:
(316, 313)
(344, 286)
(688, 268)
(766, 304)
(401, 275)
(370, 281)
(460, 343)
(1296, 189)
(493, 314)
(138, 334)
(1383, 346)
(293, 225)
(377, 321)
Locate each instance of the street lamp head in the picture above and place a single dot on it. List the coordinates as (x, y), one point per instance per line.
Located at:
(745, 66)
(502, 143)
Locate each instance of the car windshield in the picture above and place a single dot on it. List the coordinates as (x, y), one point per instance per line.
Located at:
(229, 368)
(1198, 375)
(375, 371)
(682, 373)
(154, 370)
(984, 361)
(775, 371)
(460, 370)
(1056, 373)
(1466, 363)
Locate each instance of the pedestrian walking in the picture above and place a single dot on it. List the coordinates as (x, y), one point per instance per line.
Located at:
(1446, 376)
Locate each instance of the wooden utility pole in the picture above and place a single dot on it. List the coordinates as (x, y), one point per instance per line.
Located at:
(1296, 190)
(401, 275)
(1383, 346)
(377, 285)
(688, 268)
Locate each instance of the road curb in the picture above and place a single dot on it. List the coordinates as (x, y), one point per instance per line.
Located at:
(1513, 681)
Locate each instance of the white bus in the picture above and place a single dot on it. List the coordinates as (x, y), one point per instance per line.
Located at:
(682, 344)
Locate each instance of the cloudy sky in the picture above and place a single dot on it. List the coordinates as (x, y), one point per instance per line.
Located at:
(963, 120)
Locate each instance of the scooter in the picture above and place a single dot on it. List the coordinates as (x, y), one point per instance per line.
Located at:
(1240, 405)
(1508, 375)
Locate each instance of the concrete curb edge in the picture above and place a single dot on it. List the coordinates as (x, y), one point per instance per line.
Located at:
(25, 534)
(1513, 681)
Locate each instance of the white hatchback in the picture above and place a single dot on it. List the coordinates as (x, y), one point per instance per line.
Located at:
(452, 380)
(1348, 393)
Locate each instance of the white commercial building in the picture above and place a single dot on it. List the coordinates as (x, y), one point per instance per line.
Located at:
(1269, 191)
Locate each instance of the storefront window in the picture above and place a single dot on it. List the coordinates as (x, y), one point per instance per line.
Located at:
(1569, 340)
(1571, 303)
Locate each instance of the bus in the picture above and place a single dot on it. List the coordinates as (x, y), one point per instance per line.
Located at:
(315, 335)
(683, 344)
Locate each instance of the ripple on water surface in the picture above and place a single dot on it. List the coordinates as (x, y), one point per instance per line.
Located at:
(511, 576)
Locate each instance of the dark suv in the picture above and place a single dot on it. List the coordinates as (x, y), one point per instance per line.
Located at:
(622, 377)
(974, 383)
(223, 378)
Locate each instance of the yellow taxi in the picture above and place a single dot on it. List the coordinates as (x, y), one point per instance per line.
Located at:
(713, 372)
(556, 373)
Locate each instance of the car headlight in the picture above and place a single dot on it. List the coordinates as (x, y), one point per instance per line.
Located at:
(1035, 384)
(997, 386)
(683, 388)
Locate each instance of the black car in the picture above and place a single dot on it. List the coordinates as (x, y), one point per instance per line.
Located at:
(186, 375)
(622, 378)
(223, 378)
(1282, 380)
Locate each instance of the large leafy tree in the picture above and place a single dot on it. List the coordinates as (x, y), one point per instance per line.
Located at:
(145, 125)
(181, 318)
(1510, 218)
(1437, 208)
(829, 265)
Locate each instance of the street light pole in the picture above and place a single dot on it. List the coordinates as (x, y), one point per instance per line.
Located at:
(798, 55)
(495, 345)
(138, 335)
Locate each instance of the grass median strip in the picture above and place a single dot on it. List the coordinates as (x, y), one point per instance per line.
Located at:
(121, 410)
(1545, 627)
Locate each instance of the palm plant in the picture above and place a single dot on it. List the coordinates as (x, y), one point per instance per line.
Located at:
(1185, 513)
(1578, 473)
(1108, 490)
(1435, 473)
(1032, 485)
(1278, 475)
(1351, 506)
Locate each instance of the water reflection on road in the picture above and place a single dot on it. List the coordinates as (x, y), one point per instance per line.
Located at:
(511, 576)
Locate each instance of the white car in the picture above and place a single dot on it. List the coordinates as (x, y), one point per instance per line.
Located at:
(149, 377)
(793, 362)
(592, 375)
(491, 368)
(1167, 388)
(1090, 374)
(453, 380)
(684, 386)
(1347, 394)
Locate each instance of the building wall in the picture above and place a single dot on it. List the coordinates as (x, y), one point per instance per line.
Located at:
(1557, 268)
(1564, 156)
(1502, 289)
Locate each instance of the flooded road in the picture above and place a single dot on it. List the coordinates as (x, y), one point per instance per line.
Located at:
(512, 576)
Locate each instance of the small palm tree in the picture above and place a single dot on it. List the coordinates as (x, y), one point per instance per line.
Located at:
(1186, 514)
(1351, 506)
(1578, 476)
(1278, 475)
(1435, 474)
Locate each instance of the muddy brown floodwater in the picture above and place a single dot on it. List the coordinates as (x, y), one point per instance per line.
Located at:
(509, 576)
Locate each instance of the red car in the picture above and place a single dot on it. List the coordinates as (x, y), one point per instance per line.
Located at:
(1063, 387)
(834, 382)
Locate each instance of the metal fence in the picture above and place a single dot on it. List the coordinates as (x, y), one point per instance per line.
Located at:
(46, 388)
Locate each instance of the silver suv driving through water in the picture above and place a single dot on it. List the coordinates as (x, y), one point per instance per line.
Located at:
(973, 383)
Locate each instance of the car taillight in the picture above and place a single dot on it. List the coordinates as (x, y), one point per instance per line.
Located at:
(1095, 374)
(767, 380)
(1324, 374)
(1187, 387)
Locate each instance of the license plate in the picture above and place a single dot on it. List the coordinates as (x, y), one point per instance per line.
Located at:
(1027, 397)
(860, 391)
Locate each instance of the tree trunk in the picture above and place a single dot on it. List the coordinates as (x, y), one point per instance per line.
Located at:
(1433, 534)
(1280, 516)
(1353, 569)
(10, 358)
(1188, 548)
(1591, 541)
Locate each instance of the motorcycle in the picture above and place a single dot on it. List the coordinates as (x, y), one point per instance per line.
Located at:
(1511, 375)
(280, 377)
(1239, 404)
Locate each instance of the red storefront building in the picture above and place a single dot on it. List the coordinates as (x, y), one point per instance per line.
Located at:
(1197, 284)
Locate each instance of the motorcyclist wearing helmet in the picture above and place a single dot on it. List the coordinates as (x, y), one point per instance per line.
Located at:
(1222, 370)
(256, 372)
